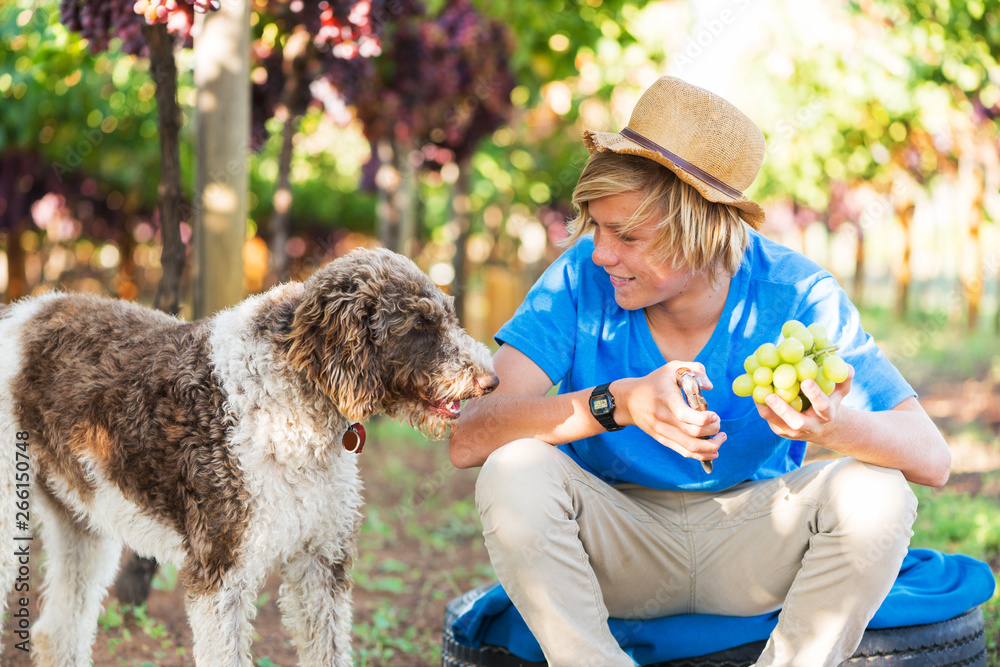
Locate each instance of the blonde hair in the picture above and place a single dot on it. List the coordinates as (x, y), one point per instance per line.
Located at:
(691, 231)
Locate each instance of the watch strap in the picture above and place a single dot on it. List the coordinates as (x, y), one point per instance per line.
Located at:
(606, 419)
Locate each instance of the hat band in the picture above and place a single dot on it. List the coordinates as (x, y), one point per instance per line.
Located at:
(681, 163)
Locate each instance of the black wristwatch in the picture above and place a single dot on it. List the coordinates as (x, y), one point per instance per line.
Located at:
(602, 406)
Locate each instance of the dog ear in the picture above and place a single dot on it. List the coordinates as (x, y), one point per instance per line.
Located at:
(331, 343)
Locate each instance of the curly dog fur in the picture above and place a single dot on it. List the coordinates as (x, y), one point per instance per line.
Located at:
(216, 444)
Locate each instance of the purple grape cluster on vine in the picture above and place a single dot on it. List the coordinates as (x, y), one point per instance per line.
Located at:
(344, 38)
(443, 85)
(98, 21)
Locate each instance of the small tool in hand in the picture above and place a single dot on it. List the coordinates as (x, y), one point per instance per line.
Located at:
(688, 382)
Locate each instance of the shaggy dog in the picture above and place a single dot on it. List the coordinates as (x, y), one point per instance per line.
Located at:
(217, 445)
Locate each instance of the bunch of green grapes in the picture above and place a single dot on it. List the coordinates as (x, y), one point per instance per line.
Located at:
(804, 354)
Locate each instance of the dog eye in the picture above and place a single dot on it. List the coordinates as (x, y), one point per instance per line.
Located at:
(423, 324)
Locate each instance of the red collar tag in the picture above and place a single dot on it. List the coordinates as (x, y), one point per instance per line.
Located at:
(354, 438)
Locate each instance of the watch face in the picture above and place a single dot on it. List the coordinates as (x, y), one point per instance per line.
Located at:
(599, 405)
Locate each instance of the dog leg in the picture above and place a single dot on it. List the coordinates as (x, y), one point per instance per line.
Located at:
(79, 567)
(315, 606)
(220, 621)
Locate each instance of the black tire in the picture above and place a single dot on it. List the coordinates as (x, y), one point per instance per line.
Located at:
(957, 642)
(135, 580)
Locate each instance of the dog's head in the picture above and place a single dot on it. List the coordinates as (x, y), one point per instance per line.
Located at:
(376, 335)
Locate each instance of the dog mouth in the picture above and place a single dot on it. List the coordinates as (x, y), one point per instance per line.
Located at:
(450, 408)
(447, 409)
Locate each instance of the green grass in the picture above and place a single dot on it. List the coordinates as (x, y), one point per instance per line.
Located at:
(421, 524)
(949, 520)
(386, 634)
(929, 348)
(955, 522)
(929, 351)
(932, 350)
(118, 620)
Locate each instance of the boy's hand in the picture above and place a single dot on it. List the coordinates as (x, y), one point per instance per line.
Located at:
(656, 404)
(812, 424)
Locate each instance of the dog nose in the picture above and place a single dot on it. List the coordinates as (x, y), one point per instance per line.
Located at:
(487, 382)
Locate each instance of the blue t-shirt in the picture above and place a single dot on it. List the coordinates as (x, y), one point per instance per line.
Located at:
(572, 328)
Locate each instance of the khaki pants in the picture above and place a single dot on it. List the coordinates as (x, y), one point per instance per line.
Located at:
(824, 543)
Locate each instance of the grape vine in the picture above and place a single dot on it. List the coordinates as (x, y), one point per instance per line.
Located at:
(344, 37)
(99, 21)
(442, 86)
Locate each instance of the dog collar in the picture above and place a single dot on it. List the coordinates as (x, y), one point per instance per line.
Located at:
(354, 438)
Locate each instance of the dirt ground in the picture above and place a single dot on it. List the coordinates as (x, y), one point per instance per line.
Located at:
(415, 554)
(421, 546)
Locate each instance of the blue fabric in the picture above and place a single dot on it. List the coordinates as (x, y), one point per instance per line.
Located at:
(572, 328)
(931, 587)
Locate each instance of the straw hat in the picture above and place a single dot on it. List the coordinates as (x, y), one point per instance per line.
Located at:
(705, 140)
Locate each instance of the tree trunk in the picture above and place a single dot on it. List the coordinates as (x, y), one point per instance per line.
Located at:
(125, 285)
(974, 287)
(460, 214)
(996, 315)
(294, 66)
(398, 188)
(407, 201)
(17, 280)
(970, 189)
(222, 76)
(859, 267)
(134, 582)
(282, 204)
(173, 257)
(904, 278)
(386, 181)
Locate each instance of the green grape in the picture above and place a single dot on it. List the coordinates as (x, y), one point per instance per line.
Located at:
(791, 350)
(804, 337)
(791, 325)
(784, 376)
(806, 369)
(836, 369)
(762, 376)
(805, 353)
(788, 394)
(767, 355)
(825, 383)
(819, 336)
(743, 386)
(795, 329)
